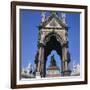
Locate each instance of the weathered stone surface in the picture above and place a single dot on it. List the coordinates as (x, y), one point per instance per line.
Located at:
(53, 34)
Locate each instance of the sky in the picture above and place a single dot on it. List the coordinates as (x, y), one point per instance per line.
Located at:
(29, 22)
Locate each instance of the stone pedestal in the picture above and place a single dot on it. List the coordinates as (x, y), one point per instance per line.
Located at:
(38, 75)
(66, 73)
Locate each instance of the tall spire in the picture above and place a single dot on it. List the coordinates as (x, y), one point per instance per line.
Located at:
(63, 16)
(43, 16)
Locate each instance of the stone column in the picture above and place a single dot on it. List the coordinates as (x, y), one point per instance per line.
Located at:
(40, 60)
(65, 69)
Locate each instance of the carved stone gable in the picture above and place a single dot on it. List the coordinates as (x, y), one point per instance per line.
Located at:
(54, 23)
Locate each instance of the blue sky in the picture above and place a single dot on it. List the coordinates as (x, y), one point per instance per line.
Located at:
(30, 21)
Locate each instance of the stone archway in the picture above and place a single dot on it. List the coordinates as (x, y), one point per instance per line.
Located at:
(51, 44)
(52, 38)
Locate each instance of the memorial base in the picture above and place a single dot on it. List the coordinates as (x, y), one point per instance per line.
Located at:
(38, 75)
(66, 73)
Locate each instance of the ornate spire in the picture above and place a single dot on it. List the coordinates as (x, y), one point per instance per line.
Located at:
(63, 16)
(43, 16)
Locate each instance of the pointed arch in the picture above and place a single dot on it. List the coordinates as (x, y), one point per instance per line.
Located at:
(58, 37)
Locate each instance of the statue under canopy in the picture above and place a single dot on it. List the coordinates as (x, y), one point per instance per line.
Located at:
(53, 61)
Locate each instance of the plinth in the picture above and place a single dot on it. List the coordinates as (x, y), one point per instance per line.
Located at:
(38, 75)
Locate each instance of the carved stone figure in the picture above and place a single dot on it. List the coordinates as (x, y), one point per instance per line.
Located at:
(52, 62)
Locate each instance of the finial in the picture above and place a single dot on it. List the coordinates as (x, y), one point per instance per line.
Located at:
(55, 13)
(63, 16)
(43, 16)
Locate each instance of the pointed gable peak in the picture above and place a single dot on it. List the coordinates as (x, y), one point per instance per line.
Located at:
(54, 20)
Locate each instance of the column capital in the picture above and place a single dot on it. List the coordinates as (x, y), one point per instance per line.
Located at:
(41, 45)
(65, 45)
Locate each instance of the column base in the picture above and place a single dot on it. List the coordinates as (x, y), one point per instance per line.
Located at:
(38, 75)
(66, 73)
